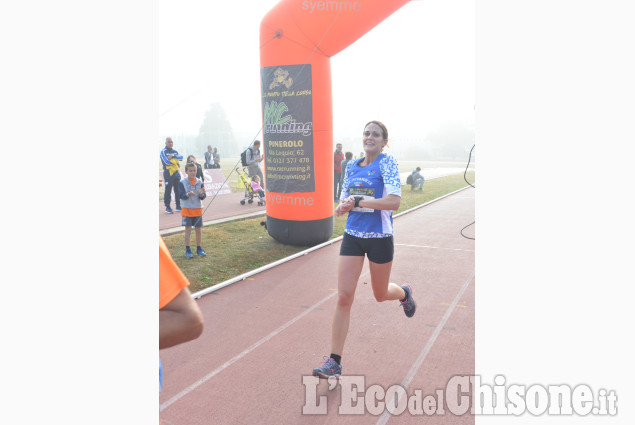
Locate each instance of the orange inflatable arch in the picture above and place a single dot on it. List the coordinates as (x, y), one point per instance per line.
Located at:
(297, 39)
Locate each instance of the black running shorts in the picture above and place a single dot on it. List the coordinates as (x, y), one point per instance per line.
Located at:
(378, 250)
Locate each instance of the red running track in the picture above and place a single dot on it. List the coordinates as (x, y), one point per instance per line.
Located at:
(264, 334)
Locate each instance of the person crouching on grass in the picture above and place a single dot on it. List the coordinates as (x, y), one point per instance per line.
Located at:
(192, 192)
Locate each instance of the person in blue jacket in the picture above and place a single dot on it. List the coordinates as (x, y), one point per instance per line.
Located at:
(370, 193)
(171, 176)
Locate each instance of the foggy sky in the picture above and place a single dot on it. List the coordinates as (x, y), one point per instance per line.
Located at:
(414, 71)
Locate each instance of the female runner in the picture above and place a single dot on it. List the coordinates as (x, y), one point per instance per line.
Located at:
(370, 193)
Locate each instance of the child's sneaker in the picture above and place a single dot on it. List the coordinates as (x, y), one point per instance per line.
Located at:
(329, 368)
(200, 251)
(409, 306)
(188, 252)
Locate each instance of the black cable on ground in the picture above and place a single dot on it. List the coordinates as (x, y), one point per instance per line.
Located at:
(467, 237)
(466, 167)
(465, 178)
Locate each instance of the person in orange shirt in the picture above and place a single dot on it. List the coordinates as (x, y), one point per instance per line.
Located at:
(180, 319)
(192, 192)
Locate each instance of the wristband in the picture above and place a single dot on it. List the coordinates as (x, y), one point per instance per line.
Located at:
(357, 199)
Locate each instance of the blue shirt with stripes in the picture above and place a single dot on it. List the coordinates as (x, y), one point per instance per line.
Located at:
(377, 180)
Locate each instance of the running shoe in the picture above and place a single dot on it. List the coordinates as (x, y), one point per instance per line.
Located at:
(200, 251)
(409, 306)
(168, 210)
(177, 209)
(188, 252)
(329, 368)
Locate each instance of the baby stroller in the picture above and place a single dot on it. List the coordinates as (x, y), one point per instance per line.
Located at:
(245, 181)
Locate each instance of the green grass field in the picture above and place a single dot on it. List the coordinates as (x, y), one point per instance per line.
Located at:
(239, 246)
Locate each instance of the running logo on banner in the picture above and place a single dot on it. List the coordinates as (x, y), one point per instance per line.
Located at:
(288, 128)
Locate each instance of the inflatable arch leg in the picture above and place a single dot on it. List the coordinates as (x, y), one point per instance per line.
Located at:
(297, 39)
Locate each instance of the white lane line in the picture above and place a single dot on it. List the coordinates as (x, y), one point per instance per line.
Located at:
(434, 247)
(243, 353)
(243, 276)
(417, 364)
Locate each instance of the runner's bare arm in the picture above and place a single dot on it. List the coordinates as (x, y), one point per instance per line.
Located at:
(179, 321)
(390, 202)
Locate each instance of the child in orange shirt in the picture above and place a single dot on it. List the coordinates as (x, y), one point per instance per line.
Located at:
(192, 192)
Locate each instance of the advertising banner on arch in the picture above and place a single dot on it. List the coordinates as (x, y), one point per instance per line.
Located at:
(287, 105)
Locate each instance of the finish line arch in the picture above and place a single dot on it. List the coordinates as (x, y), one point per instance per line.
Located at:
(297, 40)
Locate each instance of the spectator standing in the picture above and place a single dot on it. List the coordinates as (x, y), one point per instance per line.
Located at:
(338, 157)
(254, 158)
(209, 158)
(348, 157)
(216, 156)
(199, 169)
(170, 159)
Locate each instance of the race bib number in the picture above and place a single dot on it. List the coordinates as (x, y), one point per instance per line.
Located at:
(366, 193)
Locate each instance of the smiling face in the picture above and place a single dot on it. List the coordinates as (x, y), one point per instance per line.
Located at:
(374, 139)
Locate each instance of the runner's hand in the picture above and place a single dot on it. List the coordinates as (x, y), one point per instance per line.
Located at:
(345, 206)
